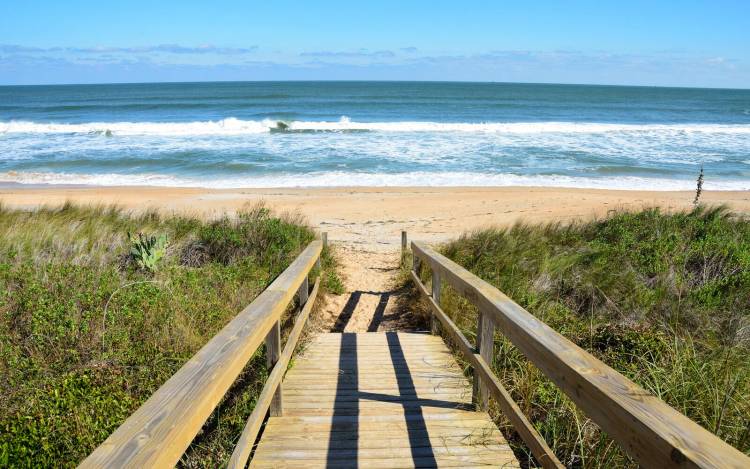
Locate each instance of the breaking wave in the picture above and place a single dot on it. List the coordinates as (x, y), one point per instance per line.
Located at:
(355, 179)
(233, 126)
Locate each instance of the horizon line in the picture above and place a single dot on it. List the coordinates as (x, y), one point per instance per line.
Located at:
(373, 81)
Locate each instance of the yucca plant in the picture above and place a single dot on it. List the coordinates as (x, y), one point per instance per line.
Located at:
(146, 251)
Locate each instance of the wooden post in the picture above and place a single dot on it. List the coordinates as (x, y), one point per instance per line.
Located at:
(485, 348)
(324, 238)
(403, 242)
(436, 296)
(302, 292)
(273, 352)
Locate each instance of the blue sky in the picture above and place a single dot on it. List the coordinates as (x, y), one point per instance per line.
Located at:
(670, 43)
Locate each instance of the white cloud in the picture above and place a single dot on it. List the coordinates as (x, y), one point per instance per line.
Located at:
(165, 62)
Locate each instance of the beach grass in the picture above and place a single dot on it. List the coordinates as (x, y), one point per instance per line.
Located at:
(664, 298)
(87, 334)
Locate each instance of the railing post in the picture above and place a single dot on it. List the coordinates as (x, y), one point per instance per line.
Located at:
(302, 293)
(273, 352)
(403, 242)
(435, 296)
(485, 348)
(324, 238)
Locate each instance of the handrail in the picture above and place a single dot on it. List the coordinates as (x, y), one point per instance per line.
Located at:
(159, 432)
(244, 445)
(539, 448)
(649, 430)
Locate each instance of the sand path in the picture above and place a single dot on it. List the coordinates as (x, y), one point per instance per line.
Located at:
(372, 298)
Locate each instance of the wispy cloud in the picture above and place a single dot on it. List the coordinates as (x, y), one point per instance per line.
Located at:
(174, 62)
(169, 49)
(159, 48)
(358, 54)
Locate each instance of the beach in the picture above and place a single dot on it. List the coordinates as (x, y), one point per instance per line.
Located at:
(375, 216)
(365, 223)
(364, 161)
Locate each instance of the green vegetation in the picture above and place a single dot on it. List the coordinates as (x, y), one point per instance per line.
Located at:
(92, 322)
(146, 251)
(662, 298)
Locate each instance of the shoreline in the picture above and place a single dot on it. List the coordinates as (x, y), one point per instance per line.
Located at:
(373, 217)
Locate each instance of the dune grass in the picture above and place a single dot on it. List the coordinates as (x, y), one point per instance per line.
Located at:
(86, 335)
(662, 298)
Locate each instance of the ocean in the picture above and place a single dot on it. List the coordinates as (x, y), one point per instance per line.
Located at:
(312, 134)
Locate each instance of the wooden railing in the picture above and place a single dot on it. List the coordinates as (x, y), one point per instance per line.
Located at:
(649, 430)
(159, 432)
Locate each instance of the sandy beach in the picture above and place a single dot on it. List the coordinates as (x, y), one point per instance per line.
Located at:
(365, 224)
(374, 217)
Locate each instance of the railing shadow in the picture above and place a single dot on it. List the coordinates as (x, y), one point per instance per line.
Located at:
(343, 444)
(345, 414)
(351, 306)
(415, 426)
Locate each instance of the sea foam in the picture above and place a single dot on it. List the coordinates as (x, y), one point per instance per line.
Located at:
(354, 179)
(233, 126)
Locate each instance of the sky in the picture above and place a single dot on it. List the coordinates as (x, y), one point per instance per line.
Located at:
(661, 43)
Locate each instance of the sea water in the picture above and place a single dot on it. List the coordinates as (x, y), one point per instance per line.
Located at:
(308, 134)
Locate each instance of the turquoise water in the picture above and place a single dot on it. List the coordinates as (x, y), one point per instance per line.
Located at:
(266, 134)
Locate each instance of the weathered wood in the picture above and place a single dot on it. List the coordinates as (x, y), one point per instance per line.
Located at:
(158, 433)
(648, 429)
(475, 420)
(539, 448)
(482, 461)
(273, 351)
(243, 448)
(436, 293)
(367, 453)
(324, 239)
(302, 292)
(403, 242)
(485, 348)
(400, 421)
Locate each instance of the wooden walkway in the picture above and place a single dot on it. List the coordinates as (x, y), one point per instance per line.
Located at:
(392, 400)
(396, 400)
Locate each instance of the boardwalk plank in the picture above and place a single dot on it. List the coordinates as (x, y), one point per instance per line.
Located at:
(395, 400)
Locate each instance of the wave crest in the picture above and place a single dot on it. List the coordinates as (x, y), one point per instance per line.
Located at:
(234, 126)
(358, 179)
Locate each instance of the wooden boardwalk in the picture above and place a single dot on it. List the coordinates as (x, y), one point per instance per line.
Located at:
(396, 400)
(373, 399)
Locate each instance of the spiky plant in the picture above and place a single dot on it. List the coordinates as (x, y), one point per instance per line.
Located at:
(146, 251)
